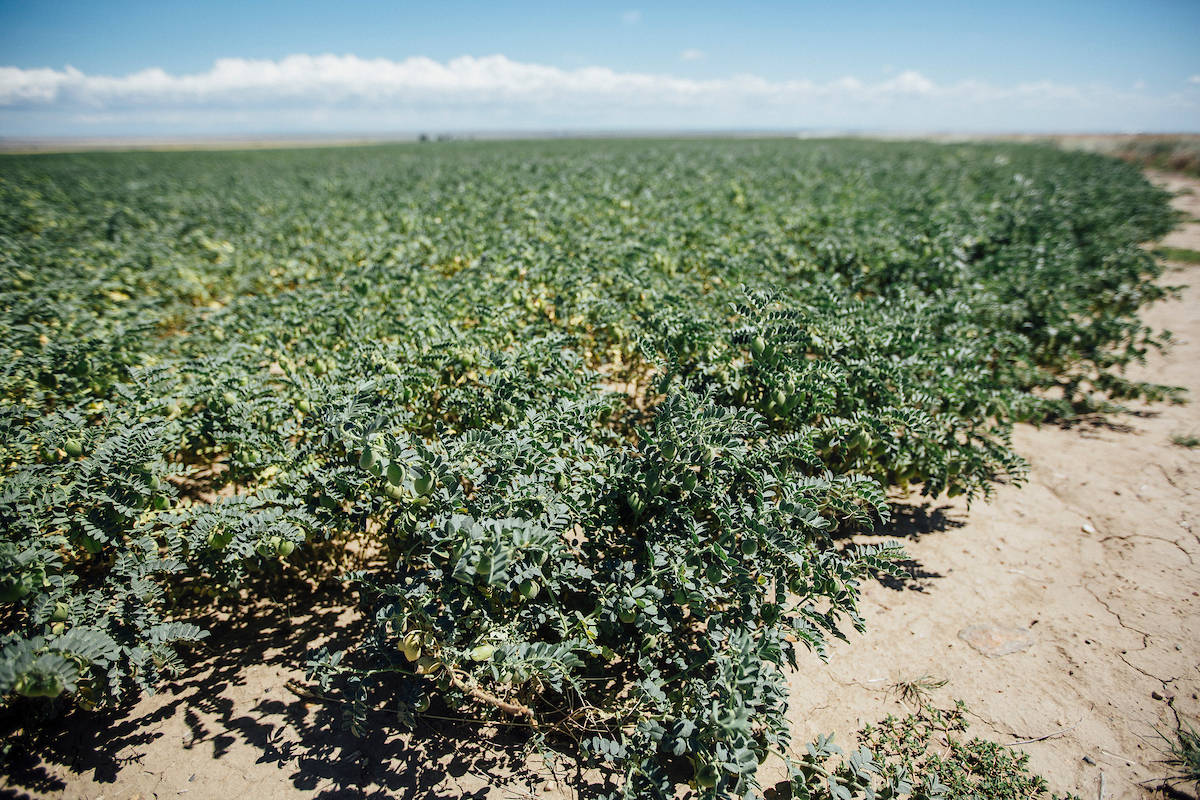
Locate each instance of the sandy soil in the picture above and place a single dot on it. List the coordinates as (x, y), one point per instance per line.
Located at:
(1096, 558)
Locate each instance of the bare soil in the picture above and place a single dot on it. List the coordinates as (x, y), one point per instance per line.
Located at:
(1096, 560)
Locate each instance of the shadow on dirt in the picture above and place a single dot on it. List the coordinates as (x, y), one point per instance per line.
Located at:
(917, 579)
(303, 736)
(913, 522)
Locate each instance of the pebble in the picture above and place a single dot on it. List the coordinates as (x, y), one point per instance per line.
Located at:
(1088, 528)
(994, 641)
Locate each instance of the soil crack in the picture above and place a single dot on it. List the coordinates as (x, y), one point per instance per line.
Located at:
(1120, 621)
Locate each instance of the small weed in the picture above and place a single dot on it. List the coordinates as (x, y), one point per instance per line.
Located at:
(1178, 254)
(1188, 440)
(922, 755)
(916, 691)
(1183, 756)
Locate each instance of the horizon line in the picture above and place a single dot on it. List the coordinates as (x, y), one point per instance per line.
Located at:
(32, 145)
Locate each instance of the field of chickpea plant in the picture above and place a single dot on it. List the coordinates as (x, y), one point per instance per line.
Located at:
(585, 424)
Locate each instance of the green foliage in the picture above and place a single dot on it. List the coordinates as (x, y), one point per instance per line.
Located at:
(922, 756)
(585, 422)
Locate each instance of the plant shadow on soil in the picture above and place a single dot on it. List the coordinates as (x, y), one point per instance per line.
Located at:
(445, 757)
(911, 522)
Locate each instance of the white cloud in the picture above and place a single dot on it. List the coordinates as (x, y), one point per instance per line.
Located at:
(1139, 85)
(691, 55)
(908, 82)
(328, 93)
(1194, 79)
(631, 17)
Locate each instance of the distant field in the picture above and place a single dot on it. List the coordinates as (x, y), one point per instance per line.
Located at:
(1166, 152)
(582, 420)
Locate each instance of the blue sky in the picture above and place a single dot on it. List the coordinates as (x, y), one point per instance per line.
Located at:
(184, 68)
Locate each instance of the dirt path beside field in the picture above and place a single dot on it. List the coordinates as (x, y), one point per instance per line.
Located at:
(1097, 558)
